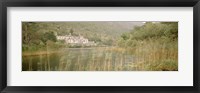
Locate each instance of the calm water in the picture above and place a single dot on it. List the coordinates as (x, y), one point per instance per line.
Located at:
(81, 59)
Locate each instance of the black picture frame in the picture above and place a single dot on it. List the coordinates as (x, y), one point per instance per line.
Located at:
(99, 3)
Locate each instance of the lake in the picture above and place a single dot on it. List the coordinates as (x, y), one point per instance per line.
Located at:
(82, 59)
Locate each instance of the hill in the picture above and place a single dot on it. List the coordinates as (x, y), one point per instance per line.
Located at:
(104, 32)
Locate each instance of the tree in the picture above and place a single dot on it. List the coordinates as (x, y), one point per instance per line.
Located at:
(48, 36)
(164, 31)
(29, 30)
(125, 36)
(71, 31)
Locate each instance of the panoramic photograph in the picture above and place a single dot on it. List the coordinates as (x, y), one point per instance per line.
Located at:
(99, 46)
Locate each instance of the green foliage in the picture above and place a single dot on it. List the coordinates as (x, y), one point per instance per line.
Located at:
(72, 31)
(165, 65)
(165, 32)
(100, 32)
(28, 32)
(48, 36)
(33, 38)
(125, 36)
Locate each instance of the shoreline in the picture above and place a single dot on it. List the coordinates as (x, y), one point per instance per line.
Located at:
(44, 52)
(36, 53)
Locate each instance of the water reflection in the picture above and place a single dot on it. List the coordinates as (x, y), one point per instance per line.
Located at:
(81, 59)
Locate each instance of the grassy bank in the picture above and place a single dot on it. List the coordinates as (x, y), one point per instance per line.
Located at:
(36, 53)
(156, 56)
(154, 44)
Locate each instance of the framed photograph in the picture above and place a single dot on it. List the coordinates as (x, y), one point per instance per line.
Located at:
(77, 46)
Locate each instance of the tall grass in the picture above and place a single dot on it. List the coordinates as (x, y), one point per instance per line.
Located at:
(156, 56)
(147, 56)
